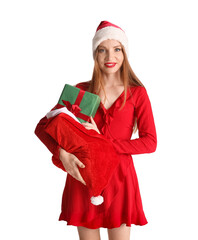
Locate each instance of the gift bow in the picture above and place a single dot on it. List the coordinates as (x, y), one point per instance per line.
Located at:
(75, 109)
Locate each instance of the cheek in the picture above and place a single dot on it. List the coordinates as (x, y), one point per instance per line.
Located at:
(121, 59)
(100, 59)
(99, 64)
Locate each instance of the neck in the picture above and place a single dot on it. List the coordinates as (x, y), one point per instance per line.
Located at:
(113, 79)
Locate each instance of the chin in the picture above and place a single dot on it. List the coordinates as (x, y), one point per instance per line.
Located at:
(110, 70)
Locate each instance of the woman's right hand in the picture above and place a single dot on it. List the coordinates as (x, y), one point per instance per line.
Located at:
(71, 163)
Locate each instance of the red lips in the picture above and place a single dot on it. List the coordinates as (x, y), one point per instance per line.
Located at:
(110, 64)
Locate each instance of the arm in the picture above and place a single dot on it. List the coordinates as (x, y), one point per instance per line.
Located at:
(147, 141)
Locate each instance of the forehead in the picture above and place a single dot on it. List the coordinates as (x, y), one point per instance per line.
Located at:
(110, 43)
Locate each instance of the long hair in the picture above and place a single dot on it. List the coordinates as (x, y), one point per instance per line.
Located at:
(127, 76)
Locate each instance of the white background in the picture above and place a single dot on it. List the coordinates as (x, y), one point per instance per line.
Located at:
(45, 44)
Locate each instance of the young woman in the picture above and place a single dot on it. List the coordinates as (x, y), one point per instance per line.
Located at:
(124, 108)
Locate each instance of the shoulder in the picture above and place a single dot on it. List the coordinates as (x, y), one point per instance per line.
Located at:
(137, 91)
(138, 94)
(83, 85)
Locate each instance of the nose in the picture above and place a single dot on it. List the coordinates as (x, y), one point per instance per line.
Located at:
(109, 55)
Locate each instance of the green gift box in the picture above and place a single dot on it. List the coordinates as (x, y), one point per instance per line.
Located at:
(81, 103)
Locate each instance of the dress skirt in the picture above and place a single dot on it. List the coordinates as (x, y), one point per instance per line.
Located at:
(122, 201)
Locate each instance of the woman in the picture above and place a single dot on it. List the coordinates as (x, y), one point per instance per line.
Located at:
(124, 107)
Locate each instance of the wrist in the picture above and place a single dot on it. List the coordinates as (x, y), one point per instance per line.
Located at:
(62, 153)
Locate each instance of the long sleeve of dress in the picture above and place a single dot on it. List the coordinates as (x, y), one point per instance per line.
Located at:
(147, 141)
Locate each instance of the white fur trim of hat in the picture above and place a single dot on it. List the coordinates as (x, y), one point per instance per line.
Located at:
(107, 30)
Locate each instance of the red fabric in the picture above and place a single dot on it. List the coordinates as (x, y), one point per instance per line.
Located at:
(122, 200)
(48, 141)
(91, 148)
(104, 24)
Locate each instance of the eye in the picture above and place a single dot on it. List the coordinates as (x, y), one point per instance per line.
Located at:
(118, 49)
(101, 50)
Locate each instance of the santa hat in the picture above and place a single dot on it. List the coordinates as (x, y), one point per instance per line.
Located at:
(107, 30)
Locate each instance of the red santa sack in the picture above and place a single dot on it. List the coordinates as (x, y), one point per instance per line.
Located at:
(91, 148)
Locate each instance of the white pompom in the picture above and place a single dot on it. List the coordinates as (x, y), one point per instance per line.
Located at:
(97, 200)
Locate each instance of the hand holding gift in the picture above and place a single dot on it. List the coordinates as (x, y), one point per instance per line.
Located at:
(91, 125)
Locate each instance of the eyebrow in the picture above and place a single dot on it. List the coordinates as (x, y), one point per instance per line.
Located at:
(113, 47)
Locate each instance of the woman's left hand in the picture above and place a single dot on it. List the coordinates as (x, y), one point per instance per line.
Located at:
(91, 125)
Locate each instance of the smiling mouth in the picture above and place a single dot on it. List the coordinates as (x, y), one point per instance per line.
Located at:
(110, 64)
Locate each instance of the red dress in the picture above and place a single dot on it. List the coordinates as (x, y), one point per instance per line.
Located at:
(122, 200)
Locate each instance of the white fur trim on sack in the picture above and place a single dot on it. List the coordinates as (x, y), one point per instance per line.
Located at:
(55, 112)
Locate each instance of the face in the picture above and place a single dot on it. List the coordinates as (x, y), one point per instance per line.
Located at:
(110, 56)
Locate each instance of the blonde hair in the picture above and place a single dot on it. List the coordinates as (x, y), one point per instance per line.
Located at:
(127, 75)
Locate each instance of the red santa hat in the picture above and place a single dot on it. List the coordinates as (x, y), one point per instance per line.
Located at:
(107, 30)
